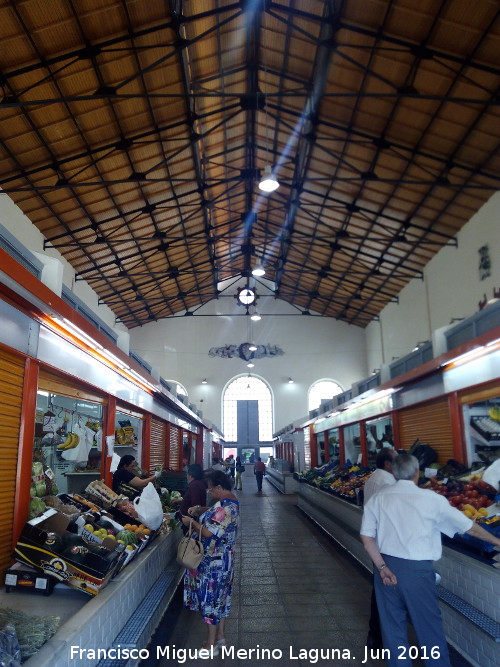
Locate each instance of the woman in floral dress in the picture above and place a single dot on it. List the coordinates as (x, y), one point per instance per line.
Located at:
(208, 588)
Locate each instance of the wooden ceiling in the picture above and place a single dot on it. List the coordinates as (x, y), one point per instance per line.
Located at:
(133, 134)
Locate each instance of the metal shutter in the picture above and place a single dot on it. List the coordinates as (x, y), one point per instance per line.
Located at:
(431, 424)
(157, 444)
(174, 452)
(11, 391)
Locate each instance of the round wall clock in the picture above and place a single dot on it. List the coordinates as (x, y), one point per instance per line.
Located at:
(246, 296)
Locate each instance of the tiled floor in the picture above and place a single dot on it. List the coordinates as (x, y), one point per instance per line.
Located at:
(293, 590)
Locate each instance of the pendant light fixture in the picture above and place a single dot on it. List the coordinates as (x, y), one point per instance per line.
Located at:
(258, 270)
(255, 317)
(268, 182)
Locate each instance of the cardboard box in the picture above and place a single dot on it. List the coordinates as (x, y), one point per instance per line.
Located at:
(88, 574)
(21, 577)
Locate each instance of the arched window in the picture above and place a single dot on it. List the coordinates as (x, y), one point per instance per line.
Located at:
(247, 411)
(323, 390)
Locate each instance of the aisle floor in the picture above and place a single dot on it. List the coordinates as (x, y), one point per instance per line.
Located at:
(293, 589)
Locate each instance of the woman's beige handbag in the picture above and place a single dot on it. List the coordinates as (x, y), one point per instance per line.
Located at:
(190, 550)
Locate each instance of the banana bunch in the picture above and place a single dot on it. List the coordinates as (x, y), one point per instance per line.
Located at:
(70, 443)
(494, 413)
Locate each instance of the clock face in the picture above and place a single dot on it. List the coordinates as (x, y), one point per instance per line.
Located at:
(246, 296)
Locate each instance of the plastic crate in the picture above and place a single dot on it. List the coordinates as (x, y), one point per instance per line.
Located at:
(480, 545)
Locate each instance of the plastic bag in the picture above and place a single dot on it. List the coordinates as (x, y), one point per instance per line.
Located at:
(148, 507)
(10, 653)
(115, 460)
(492, 475)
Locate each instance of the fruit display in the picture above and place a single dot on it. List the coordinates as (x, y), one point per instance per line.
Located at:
(346, 487)
(127, 536)
(341, 480)
(471, 496)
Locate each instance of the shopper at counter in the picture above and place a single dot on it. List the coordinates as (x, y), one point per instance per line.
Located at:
(196, 492)
(208, 589)
(382, 475)
(401, 532)
(125, 479)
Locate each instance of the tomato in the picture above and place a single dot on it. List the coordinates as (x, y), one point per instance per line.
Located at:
(473, 493)
(488, 502)
(467, 488)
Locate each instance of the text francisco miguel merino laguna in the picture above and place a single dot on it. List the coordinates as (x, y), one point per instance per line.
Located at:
(181, 655)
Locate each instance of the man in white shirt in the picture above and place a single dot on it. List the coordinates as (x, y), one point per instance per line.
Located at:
(217, 465)
(381, 477)
(401, 531)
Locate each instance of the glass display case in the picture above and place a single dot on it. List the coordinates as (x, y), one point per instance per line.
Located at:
(352, 443)
(68, 444)
(482, 431)
(378, 435)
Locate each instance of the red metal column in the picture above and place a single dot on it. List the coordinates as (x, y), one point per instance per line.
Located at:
(199, 447)
(457, 429)
(108, 429)
(363, 443)
(25, 453)
(314, 447)
(341, 445)
(146, 443)
(396, 433)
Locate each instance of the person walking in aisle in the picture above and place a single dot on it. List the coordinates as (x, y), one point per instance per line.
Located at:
(232, 466)
(240, 468)
(401, 532)
(259, 469)
(216, 464)
(208, 588)
(381, 477)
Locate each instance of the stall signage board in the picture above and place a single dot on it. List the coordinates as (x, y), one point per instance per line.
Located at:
(355, 413)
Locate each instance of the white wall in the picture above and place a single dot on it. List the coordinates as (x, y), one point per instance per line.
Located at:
(451, 289)
(314, 348)
(20, 226)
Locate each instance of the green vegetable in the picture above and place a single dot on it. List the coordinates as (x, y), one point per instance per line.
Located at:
(41, 489)
(37, 507)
